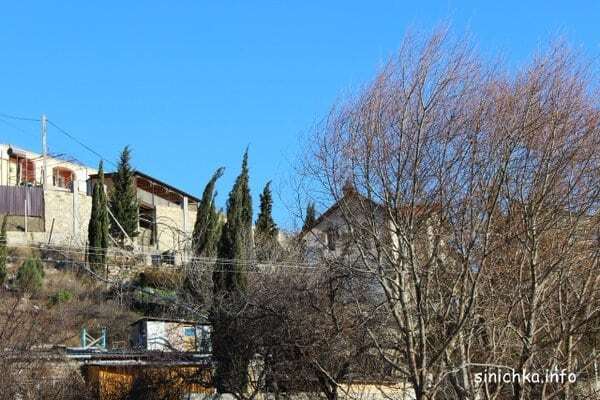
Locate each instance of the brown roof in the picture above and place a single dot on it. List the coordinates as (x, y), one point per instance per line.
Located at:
(158, 181)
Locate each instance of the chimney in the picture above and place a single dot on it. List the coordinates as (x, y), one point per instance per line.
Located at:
(348, 188)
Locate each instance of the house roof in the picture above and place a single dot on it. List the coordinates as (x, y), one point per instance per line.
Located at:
(351, 193)
(172, 320)
(154, 180)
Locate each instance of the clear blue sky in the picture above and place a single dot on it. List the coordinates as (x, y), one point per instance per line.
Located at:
(188, 84)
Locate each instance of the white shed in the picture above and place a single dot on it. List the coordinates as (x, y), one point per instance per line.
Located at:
(161, 334)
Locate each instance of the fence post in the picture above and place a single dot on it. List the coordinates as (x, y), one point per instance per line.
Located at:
(26, 212)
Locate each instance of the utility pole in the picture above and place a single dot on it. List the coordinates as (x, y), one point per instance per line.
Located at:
(45, 149)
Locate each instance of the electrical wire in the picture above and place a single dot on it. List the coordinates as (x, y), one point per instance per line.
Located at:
(124, 253)
(5, 122)
(79, 142)
(262, 267)
(5, 115)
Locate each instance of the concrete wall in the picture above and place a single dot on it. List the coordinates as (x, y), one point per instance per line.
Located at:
(171, 232)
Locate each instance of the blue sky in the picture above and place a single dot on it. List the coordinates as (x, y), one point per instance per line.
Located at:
(189, 84)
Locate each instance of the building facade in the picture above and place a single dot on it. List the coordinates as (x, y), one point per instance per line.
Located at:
(161, 334)
(48, 200)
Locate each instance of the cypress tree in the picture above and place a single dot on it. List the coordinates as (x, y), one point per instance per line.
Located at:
(3, 251)
(94, 229)
(311, 216)
(99, 224)
(266, 230)
(207, 229)
(104, 217)
(236, 242)
(229, 282)
(123, 199)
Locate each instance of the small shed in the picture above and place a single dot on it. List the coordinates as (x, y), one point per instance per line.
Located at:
(160, 334)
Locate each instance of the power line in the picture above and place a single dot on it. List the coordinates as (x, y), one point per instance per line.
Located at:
(19, 118)
(61, 130)
(79, 142)
(5, 122)
(124, 253)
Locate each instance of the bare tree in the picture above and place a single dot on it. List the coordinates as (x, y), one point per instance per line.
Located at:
(470, 199)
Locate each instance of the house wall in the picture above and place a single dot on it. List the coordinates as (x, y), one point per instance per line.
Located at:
(4, 168)
(170, 227)
(355, 391)
(70, 210)
(170, 336)
(317, 241)
(170, 232)
(70, 213)
(7, 177)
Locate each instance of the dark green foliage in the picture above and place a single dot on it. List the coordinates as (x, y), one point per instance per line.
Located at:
(99, 224)
(123, 199)
(229, 282)
(30, 276)
(232, 348)
(3, 251)
(236, 242)
(62, 296)
(311, 216)
(207, 229)
(266, 230)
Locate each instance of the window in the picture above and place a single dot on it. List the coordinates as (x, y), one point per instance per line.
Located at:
(24, 173)
(189, 331)
(62, 177)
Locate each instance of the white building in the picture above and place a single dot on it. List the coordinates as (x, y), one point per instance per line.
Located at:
(58, 212)
(160, 334)
(20, 167)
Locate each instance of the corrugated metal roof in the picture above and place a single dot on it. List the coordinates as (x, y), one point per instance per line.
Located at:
(174, 320)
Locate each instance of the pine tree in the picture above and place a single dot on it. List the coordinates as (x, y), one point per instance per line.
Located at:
(266, 230)
(207, 229)
(123, 199)
(3, 251)
(311, 216)
(99, 224)
(229, 282)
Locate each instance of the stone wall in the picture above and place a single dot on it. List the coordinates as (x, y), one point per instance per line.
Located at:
(70, 213)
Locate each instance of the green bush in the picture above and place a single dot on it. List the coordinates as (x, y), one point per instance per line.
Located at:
(62, 296)
(30, 276)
